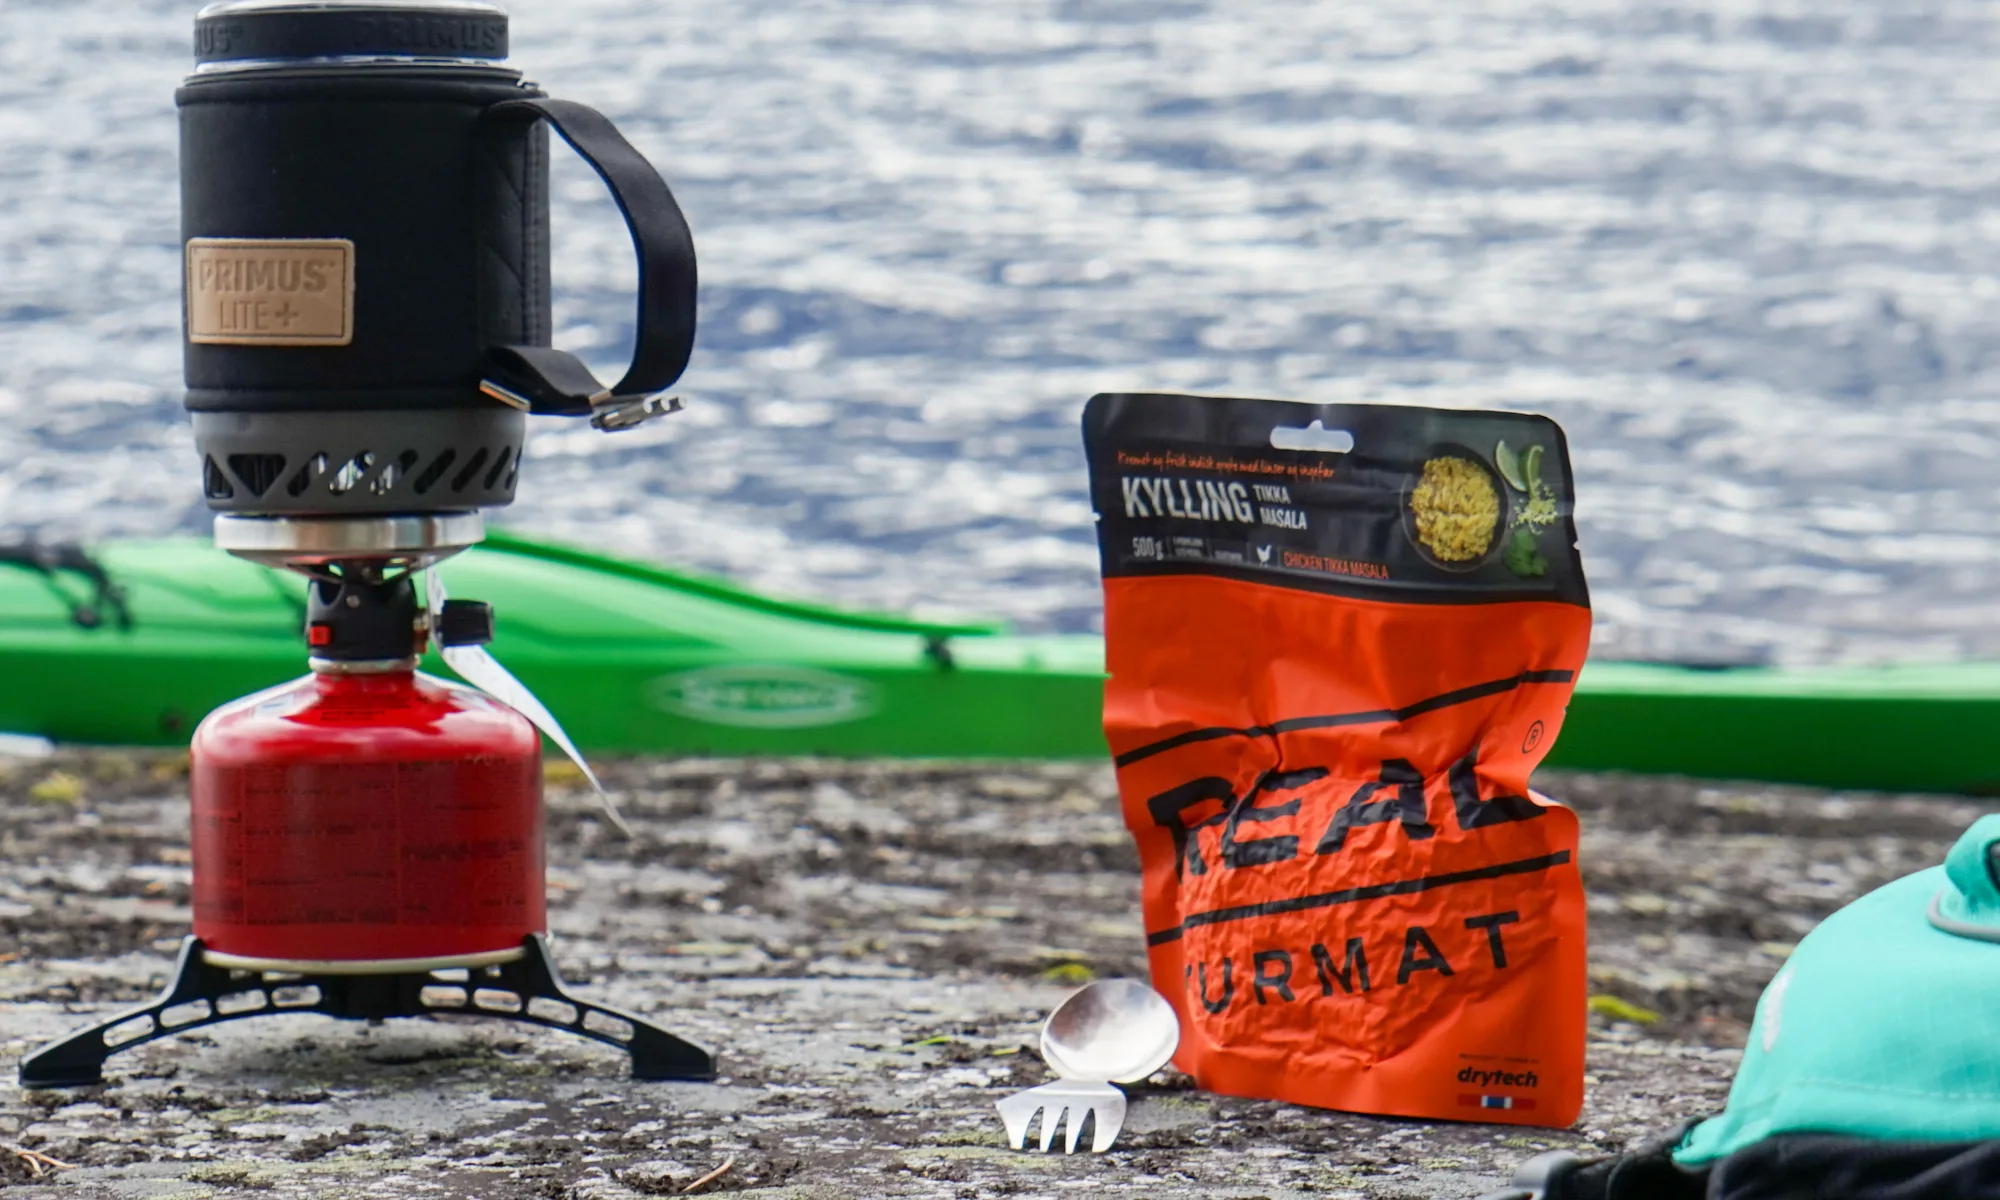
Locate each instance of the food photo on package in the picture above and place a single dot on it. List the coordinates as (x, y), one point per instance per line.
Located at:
(1340, 637)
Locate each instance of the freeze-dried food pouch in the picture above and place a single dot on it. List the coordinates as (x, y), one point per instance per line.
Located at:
(1340, 637)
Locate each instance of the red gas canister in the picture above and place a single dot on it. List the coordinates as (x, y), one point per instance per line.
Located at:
(371, 818)
(366, 814)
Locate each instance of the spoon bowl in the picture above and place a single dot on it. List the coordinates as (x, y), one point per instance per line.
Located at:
(1117, 1030)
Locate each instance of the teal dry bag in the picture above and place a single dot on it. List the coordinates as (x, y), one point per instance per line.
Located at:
(1885, 1022)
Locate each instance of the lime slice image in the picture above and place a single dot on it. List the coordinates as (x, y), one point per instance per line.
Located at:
(1531, 466)
(1510, 465)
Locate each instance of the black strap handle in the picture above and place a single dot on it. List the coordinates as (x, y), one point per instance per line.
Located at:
(557, 382)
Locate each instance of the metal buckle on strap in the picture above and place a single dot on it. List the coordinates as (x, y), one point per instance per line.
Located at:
(632, 411)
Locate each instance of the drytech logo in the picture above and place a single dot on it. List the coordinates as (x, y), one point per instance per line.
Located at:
(1522, 1079)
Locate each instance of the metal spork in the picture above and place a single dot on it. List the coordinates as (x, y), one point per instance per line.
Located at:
(1112, 1030)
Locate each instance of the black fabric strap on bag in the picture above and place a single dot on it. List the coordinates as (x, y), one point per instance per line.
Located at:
(557, 382)
(1645, 1173)
(1792, 1166)
(1812, 1166)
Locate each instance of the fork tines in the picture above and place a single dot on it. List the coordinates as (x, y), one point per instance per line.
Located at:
(1064, 1106)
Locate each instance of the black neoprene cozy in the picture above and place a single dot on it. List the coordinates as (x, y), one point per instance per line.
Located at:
(364, 207)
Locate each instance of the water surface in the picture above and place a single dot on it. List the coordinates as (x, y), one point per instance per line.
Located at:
(1747, 253)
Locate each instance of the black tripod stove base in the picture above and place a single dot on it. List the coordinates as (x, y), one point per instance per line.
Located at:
(526, 989)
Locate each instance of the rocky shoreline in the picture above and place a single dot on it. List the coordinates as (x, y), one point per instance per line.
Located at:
(869, 947)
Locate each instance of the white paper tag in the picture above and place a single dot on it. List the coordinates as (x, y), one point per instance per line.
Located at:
(483, 671)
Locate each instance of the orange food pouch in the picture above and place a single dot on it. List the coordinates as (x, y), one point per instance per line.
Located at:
(1340, 637)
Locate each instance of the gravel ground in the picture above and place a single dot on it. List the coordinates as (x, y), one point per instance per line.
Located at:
(869, 947)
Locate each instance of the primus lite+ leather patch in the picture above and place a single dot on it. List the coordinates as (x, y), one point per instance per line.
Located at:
(1340, 637)
(242, 292)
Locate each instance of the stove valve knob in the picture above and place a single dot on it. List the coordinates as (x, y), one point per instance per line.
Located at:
(465, 623)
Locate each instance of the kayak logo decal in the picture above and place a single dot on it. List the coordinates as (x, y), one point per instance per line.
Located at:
(764, 697)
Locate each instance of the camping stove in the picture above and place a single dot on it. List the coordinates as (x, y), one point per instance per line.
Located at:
(368, 841)
(365, 216)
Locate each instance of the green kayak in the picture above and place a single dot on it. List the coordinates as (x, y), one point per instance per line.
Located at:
(1917, 728)
(631, 659)
(636, 659)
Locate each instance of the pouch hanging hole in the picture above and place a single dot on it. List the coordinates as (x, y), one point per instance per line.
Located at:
(1316, 437)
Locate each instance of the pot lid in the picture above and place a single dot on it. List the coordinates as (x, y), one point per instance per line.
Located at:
(284, 30)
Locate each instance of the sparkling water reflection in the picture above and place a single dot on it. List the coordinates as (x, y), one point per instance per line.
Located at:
(1745, 252)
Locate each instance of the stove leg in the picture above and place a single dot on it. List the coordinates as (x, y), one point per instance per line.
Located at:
(78, 1060)
(528, 989)
(656, 1054)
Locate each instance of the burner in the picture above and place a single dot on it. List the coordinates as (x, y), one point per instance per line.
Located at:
(313, 544)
